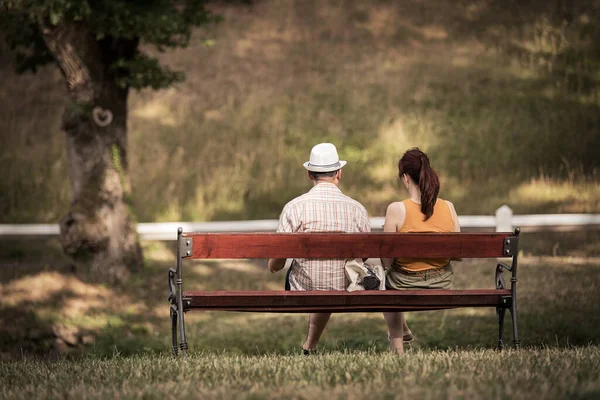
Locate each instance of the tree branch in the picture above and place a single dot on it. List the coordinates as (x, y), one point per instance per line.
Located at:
(61, 40)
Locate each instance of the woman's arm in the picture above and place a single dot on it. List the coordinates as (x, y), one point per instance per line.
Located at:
(455, 220)
(454, 216)
(394, 219)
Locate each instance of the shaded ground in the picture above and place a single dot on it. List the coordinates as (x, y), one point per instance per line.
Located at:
(45, 309)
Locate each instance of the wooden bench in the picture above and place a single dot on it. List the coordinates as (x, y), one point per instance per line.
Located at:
(343, 245)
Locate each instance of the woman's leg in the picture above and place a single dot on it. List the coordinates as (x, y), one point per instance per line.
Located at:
(407, 334)
(316, 325)
(397, 281)
(395, 322)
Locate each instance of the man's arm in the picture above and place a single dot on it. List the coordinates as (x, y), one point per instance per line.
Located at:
(285, 225)
(365, 226)
(276, 264)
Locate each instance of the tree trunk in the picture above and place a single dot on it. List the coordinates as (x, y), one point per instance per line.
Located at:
(98, 230)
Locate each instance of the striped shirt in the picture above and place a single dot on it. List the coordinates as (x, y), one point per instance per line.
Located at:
(323, 209)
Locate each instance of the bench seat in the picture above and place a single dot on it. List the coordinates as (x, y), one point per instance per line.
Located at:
(340, 301)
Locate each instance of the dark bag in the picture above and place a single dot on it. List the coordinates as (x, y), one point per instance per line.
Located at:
(370, 281)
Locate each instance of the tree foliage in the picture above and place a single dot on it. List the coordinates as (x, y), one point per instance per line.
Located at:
(162, 23)
(97, 46)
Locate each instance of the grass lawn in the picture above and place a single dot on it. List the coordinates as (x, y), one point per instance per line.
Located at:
(114, 341)
(544, 372)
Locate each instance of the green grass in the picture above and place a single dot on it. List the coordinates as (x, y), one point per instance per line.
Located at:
(115, 341)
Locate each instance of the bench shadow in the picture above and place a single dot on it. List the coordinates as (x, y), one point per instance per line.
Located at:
(557, 308)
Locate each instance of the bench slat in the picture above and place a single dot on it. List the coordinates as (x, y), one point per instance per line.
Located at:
(330, 309)
(320, 301)
(347, 245)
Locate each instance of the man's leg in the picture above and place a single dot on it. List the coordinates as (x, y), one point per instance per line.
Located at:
(316, 325)
(395, 322)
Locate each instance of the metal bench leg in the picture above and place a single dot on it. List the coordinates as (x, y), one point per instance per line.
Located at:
(500, 311)
(513, 313)
(183, 343)
(174, 344)
(513, 304)
(173, 312)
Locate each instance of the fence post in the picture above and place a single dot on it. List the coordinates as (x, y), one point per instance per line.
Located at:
(504, 219)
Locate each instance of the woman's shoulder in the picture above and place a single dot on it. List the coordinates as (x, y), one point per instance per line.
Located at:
(450, 205)
(452, 210)
(396, 208)
(453, 215)
(394, 217)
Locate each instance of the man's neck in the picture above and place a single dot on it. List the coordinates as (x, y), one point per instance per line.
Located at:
(332, 181)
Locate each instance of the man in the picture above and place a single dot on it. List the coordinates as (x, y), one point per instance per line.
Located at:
(323, 209)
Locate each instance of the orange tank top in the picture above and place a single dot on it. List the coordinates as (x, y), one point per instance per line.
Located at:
(440, 221)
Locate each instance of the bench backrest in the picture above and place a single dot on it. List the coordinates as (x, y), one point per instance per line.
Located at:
(347, 245)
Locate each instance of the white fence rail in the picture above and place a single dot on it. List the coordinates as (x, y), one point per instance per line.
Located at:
(504, 220)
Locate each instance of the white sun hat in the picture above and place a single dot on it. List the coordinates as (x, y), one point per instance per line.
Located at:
(324, 158)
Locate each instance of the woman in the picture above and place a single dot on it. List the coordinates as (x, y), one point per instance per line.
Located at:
(423, 211)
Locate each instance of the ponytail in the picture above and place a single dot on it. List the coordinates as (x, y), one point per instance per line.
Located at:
(429, 184)
(415, 163)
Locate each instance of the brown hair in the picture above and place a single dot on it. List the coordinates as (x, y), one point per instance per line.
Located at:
(415, 163)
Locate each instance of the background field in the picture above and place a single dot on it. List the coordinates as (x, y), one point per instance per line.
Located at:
(503, 95)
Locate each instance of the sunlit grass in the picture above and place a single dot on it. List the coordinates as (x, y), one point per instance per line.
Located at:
(560, 196)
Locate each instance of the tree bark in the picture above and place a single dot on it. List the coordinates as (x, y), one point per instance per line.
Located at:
(98, 231)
